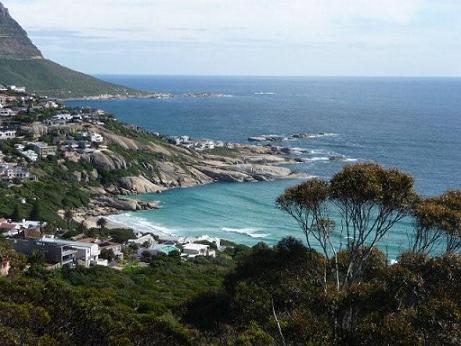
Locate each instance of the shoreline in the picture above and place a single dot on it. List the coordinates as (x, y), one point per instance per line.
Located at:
(91, 221)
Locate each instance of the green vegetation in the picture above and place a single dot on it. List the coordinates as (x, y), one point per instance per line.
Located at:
(100, 306)
(139, 134)
(223, 151)
(311, 293)
(48, 78)
(55, 189)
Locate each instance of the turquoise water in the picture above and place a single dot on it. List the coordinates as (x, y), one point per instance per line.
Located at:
(414, 124)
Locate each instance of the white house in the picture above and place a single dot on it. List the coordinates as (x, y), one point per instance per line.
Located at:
(7, 112)
(51, 105)
(194, 250)
(7, 134)
(18, 89)
(143, 239)
(96, 138)
(16, 173)
(87, 253)
(63, 116)
(43, 149)
(30, 154)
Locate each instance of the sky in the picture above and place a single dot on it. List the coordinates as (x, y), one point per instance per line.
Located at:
(248, 37)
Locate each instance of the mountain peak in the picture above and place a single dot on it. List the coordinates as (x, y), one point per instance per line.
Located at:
(14, 42)
(22, 63)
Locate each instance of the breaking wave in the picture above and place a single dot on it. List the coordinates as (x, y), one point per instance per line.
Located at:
(250, 232)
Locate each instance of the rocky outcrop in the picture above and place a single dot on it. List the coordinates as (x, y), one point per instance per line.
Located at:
(263, 172)
(225, 175)
(174, 175)
(34, 130)
(246, 172)
(105, 161)
(118, 204)
(139, 184)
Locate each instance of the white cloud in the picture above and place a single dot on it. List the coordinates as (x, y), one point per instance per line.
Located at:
(208, 20)
(237, 36)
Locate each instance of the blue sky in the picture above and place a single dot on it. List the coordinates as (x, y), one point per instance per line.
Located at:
(248, 37)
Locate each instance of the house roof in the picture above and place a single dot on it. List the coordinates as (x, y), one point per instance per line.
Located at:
(196, 247)
(7, 226)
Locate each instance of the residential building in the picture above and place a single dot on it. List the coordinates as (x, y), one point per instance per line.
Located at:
(96, 138)
(63, 116)
(111, 246)
(8, 230)
(18, 89)
(53, 253)
(105, 245)
(30, 154)
(194, 250)
(7, 112)
(7, 134)
(146, 239)
(10, 172)
(51, 105)
(87, 253)
(43, 149)
(158, 249)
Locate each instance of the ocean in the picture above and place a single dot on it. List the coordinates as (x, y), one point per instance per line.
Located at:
(410, 123)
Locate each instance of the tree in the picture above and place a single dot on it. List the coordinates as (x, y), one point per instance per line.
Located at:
(68, 216)
(307, 203)
(438, 224)
(370, 200)
(18, 213)
(107, 254)
(49, 228)
(102, 223)
(36, 212)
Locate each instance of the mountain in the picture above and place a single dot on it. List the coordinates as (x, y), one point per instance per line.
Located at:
(22, 63)
(14, 43)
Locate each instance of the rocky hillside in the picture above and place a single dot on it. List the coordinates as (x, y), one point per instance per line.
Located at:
(137, 162)
(22, 63)
(14, 43)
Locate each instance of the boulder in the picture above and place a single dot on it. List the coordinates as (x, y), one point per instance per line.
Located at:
(263, 172)
(34, 130)
(105, 161)
(226, 175)
(139, 184)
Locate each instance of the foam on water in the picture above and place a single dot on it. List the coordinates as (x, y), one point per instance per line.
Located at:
(252, 233)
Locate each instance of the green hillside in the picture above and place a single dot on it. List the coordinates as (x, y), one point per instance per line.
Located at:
(22, 64)
(48, 78)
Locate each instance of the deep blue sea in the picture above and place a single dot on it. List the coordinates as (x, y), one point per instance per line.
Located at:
(410, 123)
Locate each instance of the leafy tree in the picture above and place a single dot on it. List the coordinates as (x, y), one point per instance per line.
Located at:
(68, 216)
(438, 224)
(102, 223)
(18, 213)
(308, 204)
(370, 200)
(36, 212)
(107, 254)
